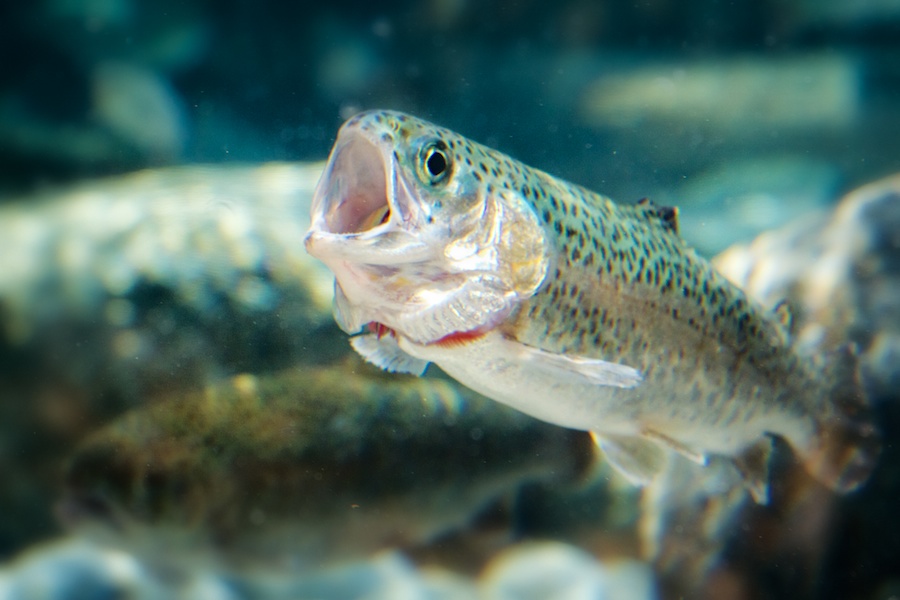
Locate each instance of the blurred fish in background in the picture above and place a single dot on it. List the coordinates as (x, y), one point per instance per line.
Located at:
(171, 380)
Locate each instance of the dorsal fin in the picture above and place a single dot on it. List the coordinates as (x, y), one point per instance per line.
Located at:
(667, 216)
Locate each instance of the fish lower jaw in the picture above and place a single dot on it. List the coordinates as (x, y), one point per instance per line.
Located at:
(383, 247)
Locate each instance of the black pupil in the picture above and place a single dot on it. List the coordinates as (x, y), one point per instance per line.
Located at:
(436, 163)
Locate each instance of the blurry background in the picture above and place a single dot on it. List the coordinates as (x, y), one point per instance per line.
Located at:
(790, 100)
(120, 298)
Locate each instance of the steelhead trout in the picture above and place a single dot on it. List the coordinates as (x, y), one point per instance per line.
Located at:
(576, 310)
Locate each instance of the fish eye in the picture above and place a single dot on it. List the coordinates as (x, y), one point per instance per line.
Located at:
(435, 162)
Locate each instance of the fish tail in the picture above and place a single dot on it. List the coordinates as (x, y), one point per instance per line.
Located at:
(847, 444)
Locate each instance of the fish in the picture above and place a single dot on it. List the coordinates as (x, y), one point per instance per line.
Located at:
(299, 469)
(579, 311)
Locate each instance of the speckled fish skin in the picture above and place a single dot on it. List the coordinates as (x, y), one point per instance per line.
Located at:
(582, 312)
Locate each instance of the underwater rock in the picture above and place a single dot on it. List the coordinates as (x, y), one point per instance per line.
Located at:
(184, 273)
(546, 570)
(73, 568)
(308, 467)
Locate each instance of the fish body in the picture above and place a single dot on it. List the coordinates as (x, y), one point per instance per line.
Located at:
(570, 307)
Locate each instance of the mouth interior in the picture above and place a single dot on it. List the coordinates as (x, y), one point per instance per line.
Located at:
(356, 194)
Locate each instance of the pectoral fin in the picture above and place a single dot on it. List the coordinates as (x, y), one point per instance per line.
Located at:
(639, 460)
(383, 352)
(591, 370)
(690, 453)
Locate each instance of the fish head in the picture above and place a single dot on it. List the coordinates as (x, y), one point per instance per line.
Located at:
(421, 242)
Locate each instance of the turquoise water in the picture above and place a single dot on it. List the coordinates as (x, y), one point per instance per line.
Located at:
(179, 414)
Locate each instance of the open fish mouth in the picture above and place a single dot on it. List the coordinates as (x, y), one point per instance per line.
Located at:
(353, 195)
(363, 209)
